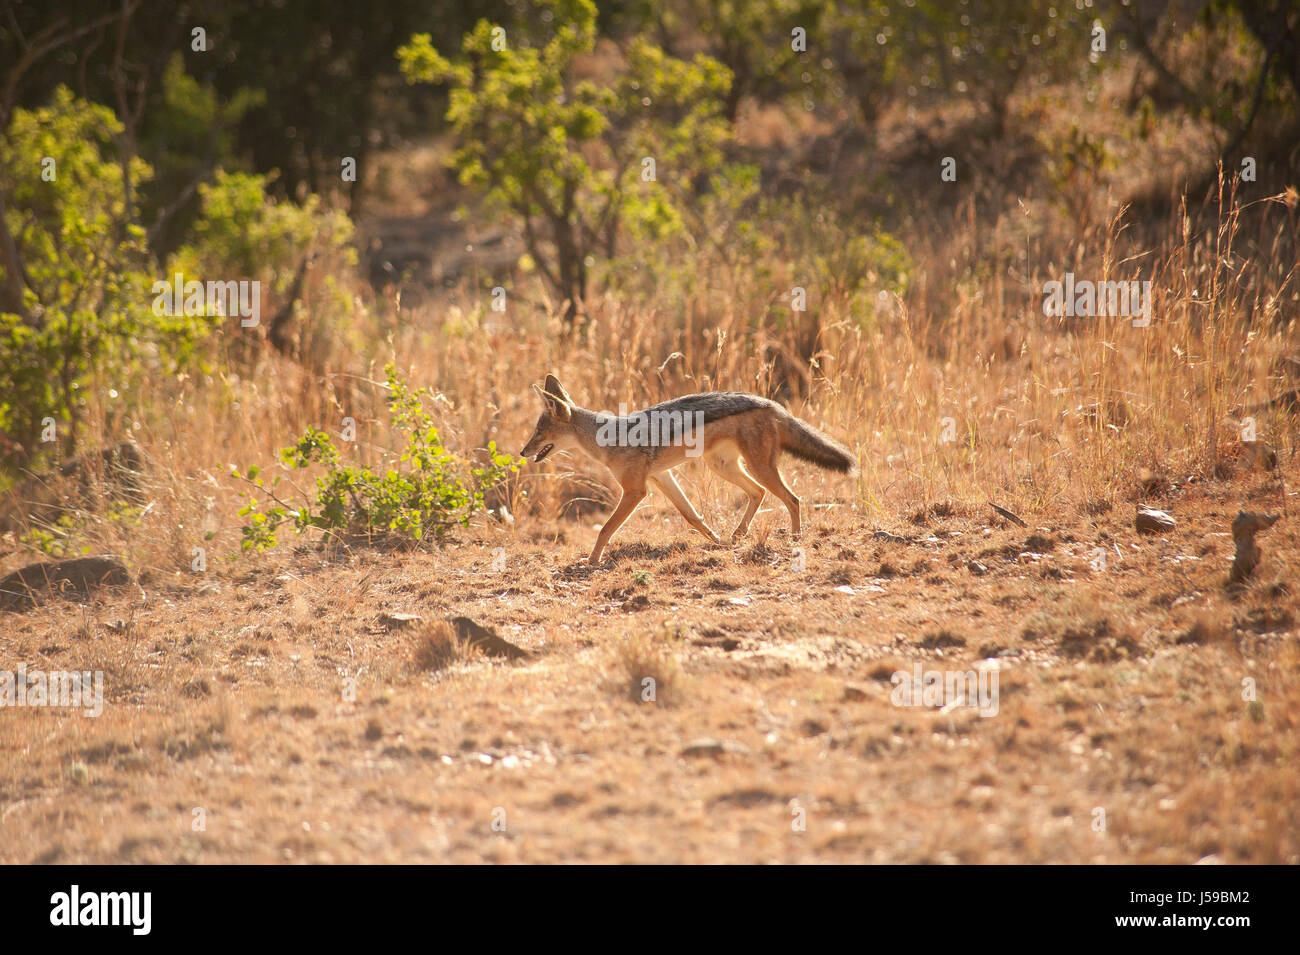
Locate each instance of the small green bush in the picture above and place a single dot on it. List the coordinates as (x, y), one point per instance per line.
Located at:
(427, 491)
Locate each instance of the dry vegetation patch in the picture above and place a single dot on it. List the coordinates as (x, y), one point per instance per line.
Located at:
(273, 706)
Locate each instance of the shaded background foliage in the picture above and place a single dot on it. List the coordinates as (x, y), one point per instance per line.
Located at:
(227, 160)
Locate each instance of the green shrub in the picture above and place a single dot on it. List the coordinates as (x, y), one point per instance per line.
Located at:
(77, 316)
(426, 491)
(243, 231)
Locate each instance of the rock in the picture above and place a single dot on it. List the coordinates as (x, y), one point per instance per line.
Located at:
(976, 568)
(854, 693)
(813, 727)
(80, 576)
(941, 640)
(888, 537)
(487, 640)
(1260, 454)
(395, 621)
(708, 746)
(1244, 528)
(1151, 521)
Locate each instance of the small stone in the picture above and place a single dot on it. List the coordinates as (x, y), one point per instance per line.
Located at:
(1151, 521)
(709, 746)
(813, 727)
(396, 621)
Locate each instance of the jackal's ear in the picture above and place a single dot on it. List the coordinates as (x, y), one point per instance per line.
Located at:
(554, 387)
(556, 406)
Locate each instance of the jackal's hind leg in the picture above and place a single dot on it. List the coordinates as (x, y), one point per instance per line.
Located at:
(673, 491)
(765, 473)
(729, 468)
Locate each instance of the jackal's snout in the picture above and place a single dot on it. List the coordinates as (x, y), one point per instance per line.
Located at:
(554, 423)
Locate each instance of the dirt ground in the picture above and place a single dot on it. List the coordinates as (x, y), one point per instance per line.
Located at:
(273, 709)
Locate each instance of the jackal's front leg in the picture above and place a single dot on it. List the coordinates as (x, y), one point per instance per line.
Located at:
(667, 483)
(632, 496)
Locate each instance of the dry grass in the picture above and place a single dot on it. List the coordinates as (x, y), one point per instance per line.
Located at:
(645, 666)
(437, 646)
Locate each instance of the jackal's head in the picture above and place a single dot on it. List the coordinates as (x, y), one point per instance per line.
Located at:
(554, 429)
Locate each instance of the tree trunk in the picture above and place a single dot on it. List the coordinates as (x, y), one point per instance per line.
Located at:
(11, 292)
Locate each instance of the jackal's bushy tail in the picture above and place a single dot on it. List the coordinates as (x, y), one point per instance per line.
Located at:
(804, 441)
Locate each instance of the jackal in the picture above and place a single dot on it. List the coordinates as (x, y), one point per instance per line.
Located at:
(740, 437)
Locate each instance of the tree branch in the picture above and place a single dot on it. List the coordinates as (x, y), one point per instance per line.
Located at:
(42, 43)
(1231, 148)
